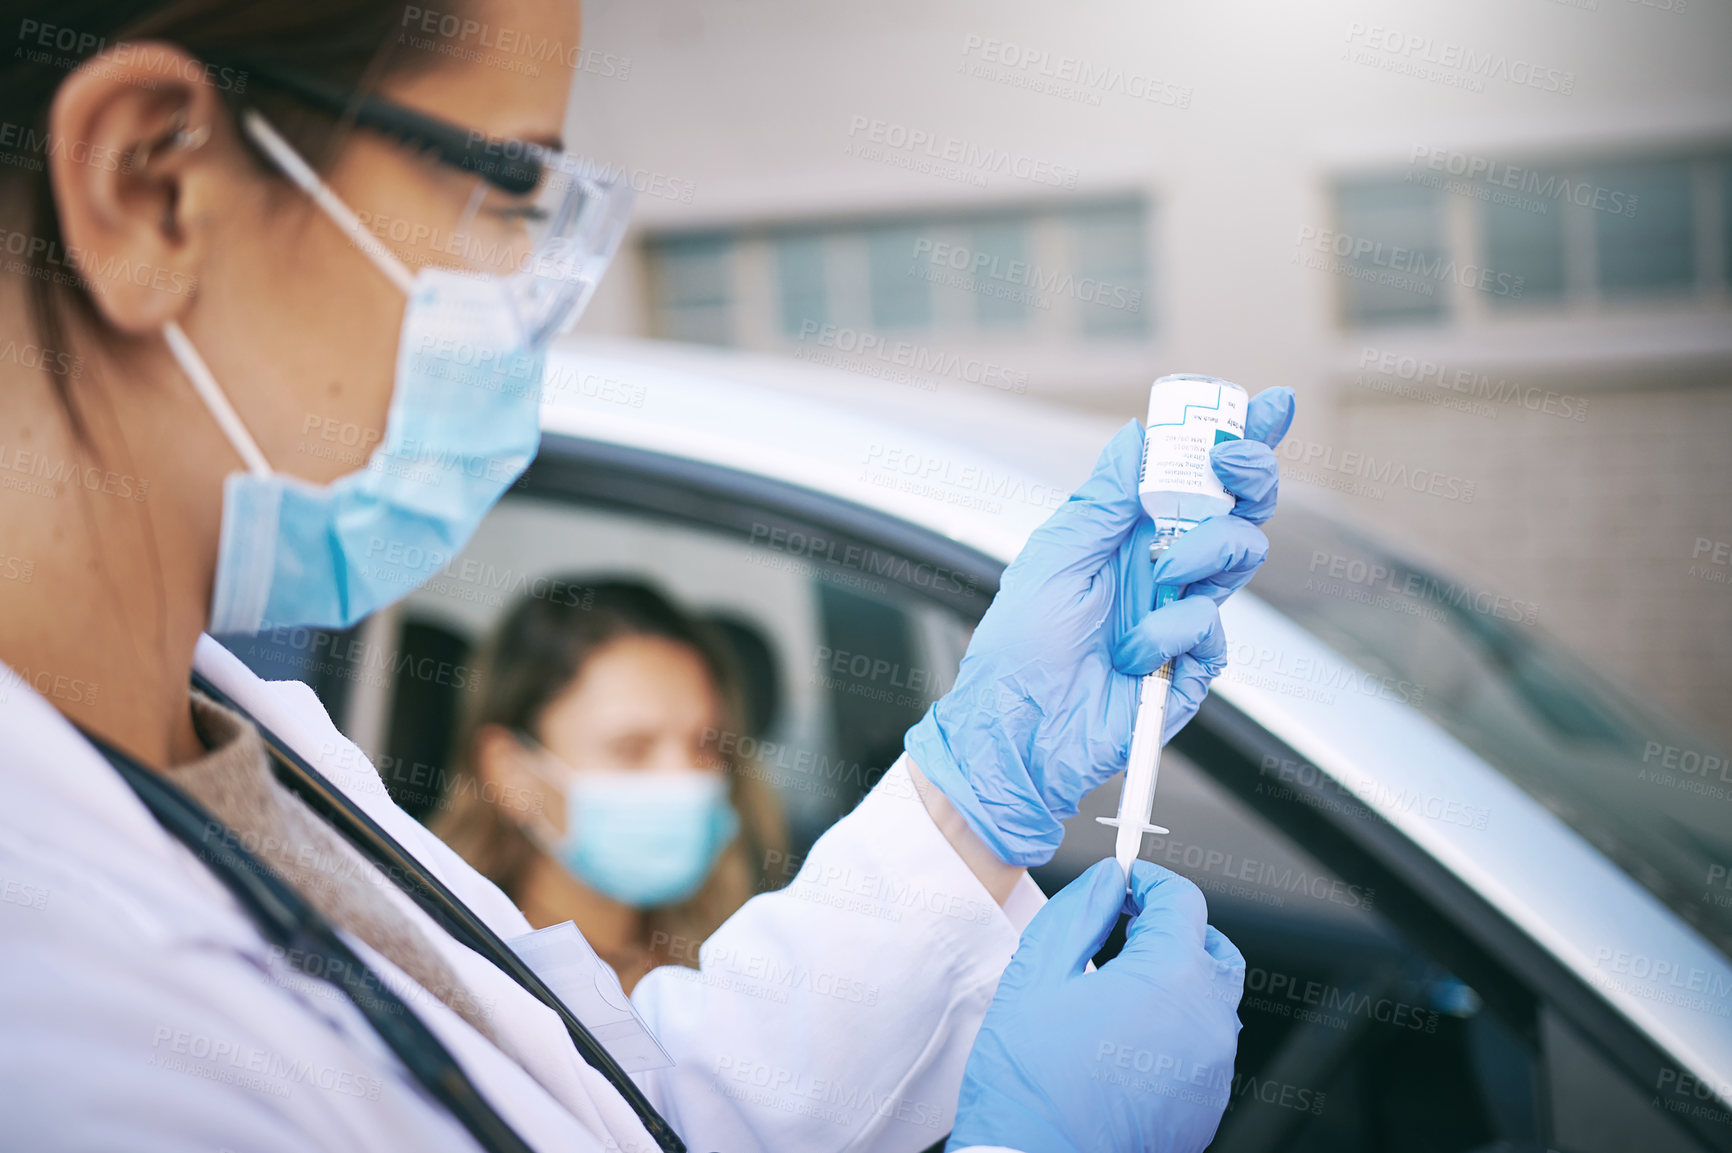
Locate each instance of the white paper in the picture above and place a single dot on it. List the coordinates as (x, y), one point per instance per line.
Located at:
(591, 990)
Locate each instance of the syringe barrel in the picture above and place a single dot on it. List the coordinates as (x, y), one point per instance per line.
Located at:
(1142, 772)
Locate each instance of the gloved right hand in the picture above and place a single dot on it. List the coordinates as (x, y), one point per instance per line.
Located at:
(1044, 704)
(1137, 1055)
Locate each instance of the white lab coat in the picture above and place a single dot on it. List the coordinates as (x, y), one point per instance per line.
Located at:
(141, 1010)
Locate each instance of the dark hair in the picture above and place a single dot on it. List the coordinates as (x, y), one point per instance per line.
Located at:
(532, 656)
(542, 643)
(348, 42)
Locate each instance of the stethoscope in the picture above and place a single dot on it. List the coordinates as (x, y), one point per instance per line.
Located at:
(309, 942)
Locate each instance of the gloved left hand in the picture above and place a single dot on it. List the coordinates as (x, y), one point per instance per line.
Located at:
(1138, 1055)
(1043, 705)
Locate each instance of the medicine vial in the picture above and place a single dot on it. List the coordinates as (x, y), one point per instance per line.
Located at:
(1188, 415)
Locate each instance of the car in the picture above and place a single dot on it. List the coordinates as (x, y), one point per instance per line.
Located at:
(1482, 894)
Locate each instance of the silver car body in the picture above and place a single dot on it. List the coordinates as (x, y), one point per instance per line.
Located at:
(985, 469)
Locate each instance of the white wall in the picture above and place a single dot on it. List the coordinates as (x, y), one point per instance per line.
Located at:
(750, 104)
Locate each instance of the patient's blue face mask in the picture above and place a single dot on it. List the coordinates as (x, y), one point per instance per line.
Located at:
(643, 838)
(464, 422)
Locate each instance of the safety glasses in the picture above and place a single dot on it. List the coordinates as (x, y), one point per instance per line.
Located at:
(546, 221)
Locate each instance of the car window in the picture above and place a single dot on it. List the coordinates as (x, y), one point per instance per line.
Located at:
(1357, 1038)
(836, 662)
(1650, 795)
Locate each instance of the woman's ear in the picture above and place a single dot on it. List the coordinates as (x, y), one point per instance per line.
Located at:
(141, 150)
(506, 778)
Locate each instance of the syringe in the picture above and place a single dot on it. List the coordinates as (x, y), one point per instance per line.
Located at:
(1143, 768)
(1188, 415)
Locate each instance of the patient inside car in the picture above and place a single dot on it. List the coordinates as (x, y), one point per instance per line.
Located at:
(592, 782)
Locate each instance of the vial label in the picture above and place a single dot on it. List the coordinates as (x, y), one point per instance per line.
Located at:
(1188, 417)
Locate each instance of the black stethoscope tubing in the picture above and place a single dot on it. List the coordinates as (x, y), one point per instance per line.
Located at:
(284, 918)
(308, 942)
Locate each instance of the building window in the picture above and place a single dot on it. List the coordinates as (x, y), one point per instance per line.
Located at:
(691, 280)
(1572, 236)
(901, 298)
(1112, 270)
(1038, 275)
(1392, 235)
(800, 281)
(1525, 239)
(1725, 175)
(1653, 249)
(1001, 246)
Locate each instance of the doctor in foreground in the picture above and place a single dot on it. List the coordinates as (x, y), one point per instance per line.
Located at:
(239, 225)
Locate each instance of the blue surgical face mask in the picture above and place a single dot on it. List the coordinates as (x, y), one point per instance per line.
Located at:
(464, 422)
(645, 838)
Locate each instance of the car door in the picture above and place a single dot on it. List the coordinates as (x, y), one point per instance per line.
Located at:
(1387, 1007)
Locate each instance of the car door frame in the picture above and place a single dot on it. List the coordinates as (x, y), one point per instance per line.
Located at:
(1433, 906)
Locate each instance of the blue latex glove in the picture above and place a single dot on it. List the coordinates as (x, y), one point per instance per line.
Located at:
(1138, 1055)
(1043, 705)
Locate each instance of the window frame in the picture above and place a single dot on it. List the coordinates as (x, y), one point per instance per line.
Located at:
(623, 479)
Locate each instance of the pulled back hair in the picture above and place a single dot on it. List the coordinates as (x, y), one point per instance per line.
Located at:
(543, 643)
(535, 653)
(349, 42)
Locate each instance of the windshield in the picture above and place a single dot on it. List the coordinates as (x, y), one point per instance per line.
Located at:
(1652, 796)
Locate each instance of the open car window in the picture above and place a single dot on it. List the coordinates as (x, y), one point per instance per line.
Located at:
(837, 660)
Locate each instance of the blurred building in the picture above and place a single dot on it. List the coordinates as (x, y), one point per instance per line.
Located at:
(1490, 245)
